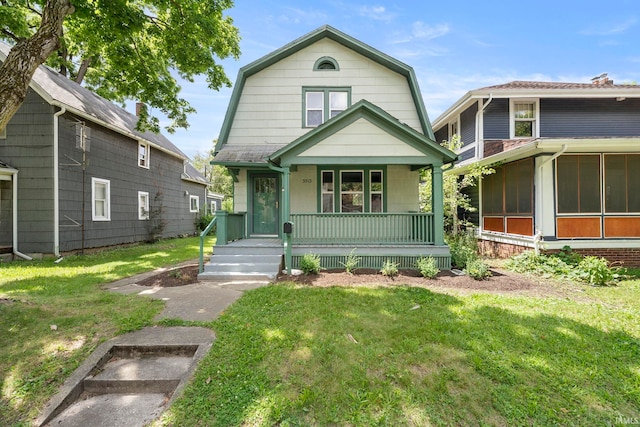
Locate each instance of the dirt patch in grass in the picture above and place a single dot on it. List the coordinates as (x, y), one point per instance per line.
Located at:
(179, 276)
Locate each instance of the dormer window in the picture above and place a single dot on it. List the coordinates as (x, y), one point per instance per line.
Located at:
(321, 104)
(326, 63)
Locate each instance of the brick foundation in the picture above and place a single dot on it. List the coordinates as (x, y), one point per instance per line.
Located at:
(622, 257)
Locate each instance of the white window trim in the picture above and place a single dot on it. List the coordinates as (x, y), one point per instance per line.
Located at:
(213, 207)
(107, 202)
(362, 192)
(143, 208)
(455, 122)
(197, 199)
(147, 151)
(536, 119)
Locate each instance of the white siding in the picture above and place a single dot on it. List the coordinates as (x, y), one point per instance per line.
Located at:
(270, 107)
(361, 138)
(240, 199)
(304, 190)
(402, 189)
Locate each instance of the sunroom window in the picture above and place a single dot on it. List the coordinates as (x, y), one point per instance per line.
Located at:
(321, 104)
(354, 191)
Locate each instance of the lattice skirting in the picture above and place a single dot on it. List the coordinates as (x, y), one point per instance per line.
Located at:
(376, 261)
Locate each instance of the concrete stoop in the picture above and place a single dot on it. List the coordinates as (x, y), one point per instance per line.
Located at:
(243, 263)
(129, 380)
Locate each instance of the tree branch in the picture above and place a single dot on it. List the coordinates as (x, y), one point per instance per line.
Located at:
(25, 57)
(84, 66)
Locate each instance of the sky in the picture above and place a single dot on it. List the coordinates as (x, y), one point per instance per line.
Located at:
(453, 47)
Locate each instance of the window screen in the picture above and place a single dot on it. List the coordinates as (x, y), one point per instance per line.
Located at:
(578, 183)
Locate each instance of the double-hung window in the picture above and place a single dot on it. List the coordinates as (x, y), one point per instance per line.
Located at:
(524, 123)
(143, 155)
(194, 203)
(143, 205)
(100, 199)
(321, 104)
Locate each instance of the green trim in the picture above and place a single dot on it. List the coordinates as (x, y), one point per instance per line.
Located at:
(323, 60)
(433, 152)
(234, 174)
(307, 40)
(326, 98)
(336, 169)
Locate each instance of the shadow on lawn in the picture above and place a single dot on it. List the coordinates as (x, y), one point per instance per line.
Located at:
(301, 355)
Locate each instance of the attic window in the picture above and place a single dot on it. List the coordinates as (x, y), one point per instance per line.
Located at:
(326, 63)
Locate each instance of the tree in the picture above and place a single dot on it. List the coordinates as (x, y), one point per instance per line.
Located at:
(121, 49)
(455, 198)
(219, 177)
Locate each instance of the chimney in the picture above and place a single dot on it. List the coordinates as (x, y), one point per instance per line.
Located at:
(602, 79)
(139, 107)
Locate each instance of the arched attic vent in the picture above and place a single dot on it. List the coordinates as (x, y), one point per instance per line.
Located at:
(326, 63)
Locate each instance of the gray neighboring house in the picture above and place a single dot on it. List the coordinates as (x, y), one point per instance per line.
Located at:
(75, 173)
(567, 165)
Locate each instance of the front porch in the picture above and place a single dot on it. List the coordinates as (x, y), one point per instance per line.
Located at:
(402, 238)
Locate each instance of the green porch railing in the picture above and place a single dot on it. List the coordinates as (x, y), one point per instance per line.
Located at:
(204, 234)
(363, 228)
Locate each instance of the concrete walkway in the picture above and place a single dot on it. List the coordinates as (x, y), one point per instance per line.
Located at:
(132, 379)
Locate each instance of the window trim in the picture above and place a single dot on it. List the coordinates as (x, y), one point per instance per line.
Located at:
(144, 162)
(107, 202)
(191, 199)
(535, 128)
(337, 186)
(326, 107)
(213, 207)
(450, 127)
(325, 60)
(143, 208)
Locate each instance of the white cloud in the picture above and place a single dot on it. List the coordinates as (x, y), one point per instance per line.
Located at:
(609, 29)
(378, 13)
(422, 31)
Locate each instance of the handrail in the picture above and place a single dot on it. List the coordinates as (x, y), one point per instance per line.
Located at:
(202, 236)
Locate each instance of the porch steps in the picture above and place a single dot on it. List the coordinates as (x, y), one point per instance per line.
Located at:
(246, 261)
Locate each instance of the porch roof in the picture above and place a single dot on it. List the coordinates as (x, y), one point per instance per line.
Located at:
(429, 151)
(245, 155)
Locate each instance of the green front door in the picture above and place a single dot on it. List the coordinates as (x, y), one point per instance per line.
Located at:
(264, 204)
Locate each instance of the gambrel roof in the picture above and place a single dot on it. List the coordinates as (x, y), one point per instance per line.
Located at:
(337, 36)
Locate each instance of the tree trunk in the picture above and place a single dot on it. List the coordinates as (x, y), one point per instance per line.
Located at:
(83, 69)
(25, 57)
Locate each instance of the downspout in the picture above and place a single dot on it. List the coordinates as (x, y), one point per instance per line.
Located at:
(479, 139)
(56, 179)
(538, 237)
(16, 252)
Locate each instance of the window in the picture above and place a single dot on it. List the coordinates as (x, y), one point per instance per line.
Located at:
(327, 191)
(622, 180)
(578, 184)
(194, 203)
(509, 191)
(523, 115)
(453, 129)
(321, 104)
(326, 63)
(212, 207)
(100, 199)
(352, 191)
(375, 193)
(143, 205)
(143, 155)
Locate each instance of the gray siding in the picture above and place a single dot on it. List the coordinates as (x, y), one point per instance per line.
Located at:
(29, 148)
(468, 125)
(496, 119)
(589, 117)
(442, 134)
(114, 157)
(465, 155)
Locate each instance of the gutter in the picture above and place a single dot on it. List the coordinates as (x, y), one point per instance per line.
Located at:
(56, 181)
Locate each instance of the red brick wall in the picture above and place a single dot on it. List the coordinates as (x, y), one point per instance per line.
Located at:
(625, 257)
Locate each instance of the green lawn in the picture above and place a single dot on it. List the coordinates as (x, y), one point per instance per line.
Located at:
(34, 359)
(284, 355)
(295, 355)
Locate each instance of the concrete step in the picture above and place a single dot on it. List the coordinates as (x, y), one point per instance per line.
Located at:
(208, 276)
(269, 268)
(248, 250)
(242, 258)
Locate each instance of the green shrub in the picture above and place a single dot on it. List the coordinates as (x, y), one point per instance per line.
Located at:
(310, 264)
(478, 269)
(202, 221)
(569, 257)
(351, 263)
(595, 271)
(389, 268)
(464, 248)
(428, 267)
